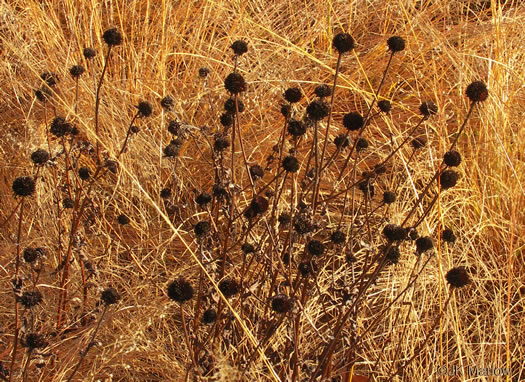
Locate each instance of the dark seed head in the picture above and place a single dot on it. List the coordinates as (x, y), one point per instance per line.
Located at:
(34, 341)
(424, 244)
(203, 198)
(317, 110)
(428, 108)
(221, 144)
(165, 193)
(291, 164)
(384, 105)
(42, 94)
(226, 119)
(284, 218)
(50, 78)
(171, 150)
(24, 186)
(109, 296)
(256, 172)
(229, 287)
(353, 121)
(448, 235)
(89, 53)
(40, 156)
(394, 232)
(315, 247)
(239, 47)
(174, 127)
(341, 141)
(306, 268)
(167, 103)
(229, 105)
(282, 303)
(203, 72)
(144, 108)
(180, 290)
(134, 129)
(112, 37)
(84, 173)
(209, 316)
(302, 225)
(457, 277)
(247, 248)
(31, 298)
(367, 187)
(68, 203)
(285, 110)
(219, 192)
(59, 127)
(123, 219)
(392, 255)
(322, 91)
(235, 83)
(293, 95)
(362, 144)
(448, 179)
(477, 91)
(76, 71)
(259, 205)
(452, 158)
(396, 44)
(389, 197)
(30, 254)
(202, 228)
(338, 237)
(111, 165)
(418, 143)
(343, 42)
(296, 128)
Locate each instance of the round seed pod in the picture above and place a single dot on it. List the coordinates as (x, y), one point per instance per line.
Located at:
(30, 254)
(167, 103)
(174, 127)
(477, 91)
(123, 219)
(30, 299)
(229, 287)
(229, 105)
(40, 156)
(338, 237)
(282, 303)
(323, 90)
(317, 110)
(112, 37)
(343, 43)
(219, 192)
(111, 165)
(50, 78)
(209, 316)
(165, 193)
(457, 277)
(448, 179)
(247, 248)
(448, 235)
(392, 255)
(180, 290)
(293, 95)
(203, 72)
(396, 44)
(389, 197)
(68, 203)
(42, 94)
(296, 128)
(424, 244)
(315, 247)
(362, 144)
(145, 109)
(24, 186)
(353, 121)
(221, 144)
(84, 173)
(367, 187)
(59, 127)
(341, 141)
(284, 218)
(239, 47)
(302, 226)
(89, 53)
(34, 341)
(202, 228)
(226, 119)
(285, 110)
(203, 198)
(256, 172)
(259, 205)
(76, 71)
(235, 83)
(109, 296)
(384, 105)
(428, 108)
(171, 150)
(452, 158)
(306, 268)
(291, 164)
(394, 232)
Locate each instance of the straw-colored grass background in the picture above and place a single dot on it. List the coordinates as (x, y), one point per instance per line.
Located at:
(449, 44)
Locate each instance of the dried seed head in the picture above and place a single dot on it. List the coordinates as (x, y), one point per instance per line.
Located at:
(392, 255)
(394, 232)
(282, 303)
(247, 248)
(452, 158)
(40, 156)
(226, 119)
(30, 299)
(123, 219)
(396, 44)
(59, 127)
(112, 37)
(221, 144)
(343, 42)
(362, 144)
(171, 150)
(30, 254)
(389, 197)
(477, 91)
(229, 287)
(111, 165)
(424, 244)
(24, 186)
(285, 110)
(109, 296)
(353, 121)
(293, 95)
(180, 290)
(448, 235)
(317, 110)
(306, 268)
(341, 141)
(457, 277)
(202, 228)
(84, 173)
(203, 72)
(284, 218)
(167, 103)
(235, 83)
(203, 198)
(322, 91)
(256, 172)
(68, 203)
(296, 128)
(239, 47)
(384, 105)
(209, 316)
(315, 247)
(89, 53)
(229, 105)
(428, 108)
(291, 164)
(34, 341)
(50, 78)
(76, 71)
(338, 237)
(144, 108)
(448, 179)
(174, 127)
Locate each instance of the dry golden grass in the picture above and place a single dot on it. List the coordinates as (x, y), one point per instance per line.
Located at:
(449, 44)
